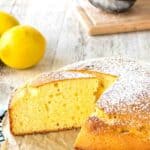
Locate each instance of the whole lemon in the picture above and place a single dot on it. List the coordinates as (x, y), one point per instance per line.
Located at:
(22, 47)
(6, 21)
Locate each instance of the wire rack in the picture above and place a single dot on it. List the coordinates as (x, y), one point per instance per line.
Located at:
(1, 134)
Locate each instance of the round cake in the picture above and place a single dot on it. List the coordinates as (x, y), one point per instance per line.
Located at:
(121, 119)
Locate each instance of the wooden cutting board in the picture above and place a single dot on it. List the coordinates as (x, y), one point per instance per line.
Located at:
(98, 22)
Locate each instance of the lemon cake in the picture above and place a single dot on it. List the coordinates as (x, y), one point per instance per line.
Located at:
(119, 120)
(56, 101)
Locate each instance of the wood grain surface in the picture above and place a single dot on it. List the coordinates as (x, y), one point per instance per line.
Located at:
(98, 22)
(66, 40)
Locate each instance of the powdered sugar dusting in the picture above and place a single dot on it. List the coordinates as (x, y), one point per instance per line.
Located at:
(55, 76)
(130, 93)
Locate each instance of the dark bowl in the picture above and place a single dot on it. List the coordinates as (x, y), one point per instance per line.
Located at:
(113, 5)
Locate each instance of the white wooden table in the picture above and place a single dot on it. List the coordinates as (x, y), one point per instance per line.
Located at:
(66, 40)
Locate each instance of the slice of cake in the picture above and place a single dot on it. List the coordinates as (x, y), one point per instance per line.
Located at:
(56, 101)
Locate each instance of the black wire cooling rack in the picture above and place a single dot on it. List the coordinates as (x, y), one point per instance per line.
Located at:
(1, 134)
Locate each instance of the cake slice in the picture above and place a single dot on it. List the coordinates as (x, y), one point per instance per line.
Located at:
(56, 101)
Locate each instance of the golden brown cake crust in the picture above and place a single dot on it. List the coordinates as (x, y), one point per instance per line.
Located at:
(97, 135)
